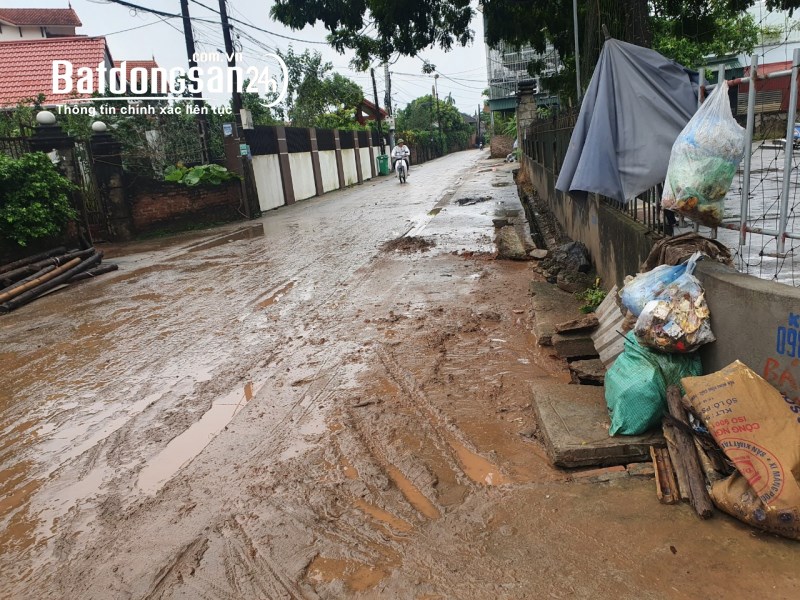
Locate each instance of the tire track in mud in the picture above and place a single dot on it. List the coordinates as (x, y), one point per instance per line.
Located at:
(469, 462)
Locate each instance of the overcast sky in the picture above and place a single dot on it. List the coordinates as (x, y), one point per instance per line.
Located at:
(163, 39)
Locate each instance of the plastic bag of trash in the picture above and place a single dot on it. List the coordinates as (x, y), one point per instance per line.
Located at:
(758, 429)
(648, 286)
(636, 385)
(704, 160)
(678, 320)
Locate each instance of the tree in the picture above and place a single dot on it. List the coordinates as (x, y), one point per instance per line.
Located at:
(416, 123)
(394, 27)
(314, 95)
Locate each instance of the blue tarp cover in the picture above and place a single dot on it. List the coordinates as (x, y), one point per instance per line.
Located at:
(636, 105)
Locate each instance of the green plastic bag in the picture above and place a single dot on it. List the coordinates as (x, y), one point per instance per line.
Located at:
(636, 385)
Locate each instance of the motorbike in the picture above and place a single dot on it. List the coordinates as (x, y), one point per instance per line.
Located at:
(402, 168)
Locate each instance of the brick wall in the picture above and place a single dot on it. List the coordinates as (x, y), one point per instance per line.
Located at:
(159, 205)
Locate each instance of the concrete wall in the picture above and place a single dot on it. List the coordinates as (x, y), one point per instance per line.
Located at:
(755, 321)
(302, 175)
(330, 174)
(349, 166)
(366, 164)
(267, 171)
(617, 244)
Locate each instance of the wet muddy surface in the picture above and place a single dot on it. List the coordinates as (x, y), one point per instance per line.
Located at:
(299, 414)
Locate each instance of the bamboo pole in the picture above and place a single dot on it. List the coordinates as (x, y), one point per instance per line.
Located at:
(32, 294)
(32, 259)
(107, 268)
(29, 278)
(38, 281)
(33, 268)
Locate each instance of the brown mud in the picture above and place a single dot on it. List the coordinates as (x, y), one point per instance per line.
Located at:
(248, 420)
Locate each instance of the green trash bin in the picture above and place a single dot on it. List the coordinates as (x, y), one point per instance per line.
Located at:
(383, 164)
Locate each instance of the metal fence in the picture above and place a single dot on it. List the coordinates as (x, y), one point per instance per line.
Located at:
(14, 146)
(761, 226)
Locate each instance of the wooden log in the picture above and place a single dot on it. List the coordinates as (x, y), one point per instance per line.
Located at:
(34, 293)
(20, 289)
(32, 259)
(106, 268)
(684, 442)
(666, 485)
(677, 465)
(33, 268)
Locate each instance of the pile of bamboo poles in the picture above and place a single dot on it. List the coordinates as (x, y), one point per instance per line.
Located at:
(25, 280)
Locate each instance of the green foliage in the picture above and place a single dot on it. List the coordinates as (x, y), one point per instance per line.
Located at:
(382, 28)
(200, 175)
(734, 33)
(314, 92)
(593, 296)
(34, 198)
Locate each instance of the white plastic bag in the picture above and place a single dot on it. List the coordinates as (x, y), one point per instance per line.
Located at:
(704, 160)
(678, 320)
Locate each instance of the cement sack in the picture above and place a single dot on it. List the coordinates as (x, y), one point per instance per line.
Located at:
(758, 429)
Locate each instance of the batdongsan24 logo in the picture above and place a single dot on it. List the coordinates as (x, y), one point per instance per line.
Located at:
(177, 81)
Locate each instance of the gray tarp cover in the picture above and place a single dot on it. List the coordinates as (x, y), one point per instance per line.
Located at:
(636, 105)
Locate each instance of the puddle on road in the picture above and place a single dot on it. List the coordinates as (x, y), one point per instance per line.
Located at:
(385, 517)
(357, 576)
(414, 496)
(276, 296)
(191, 442)
(246, 233)
(471, 201)
(477, 468)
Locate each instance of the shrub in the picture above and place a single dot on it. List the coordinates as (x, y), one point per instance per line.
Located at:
(34, 198)
(592, 296)
(201, 174)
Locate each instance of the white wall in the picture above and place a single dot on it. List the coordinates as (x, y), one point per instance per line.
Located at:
(349, 166)
(302, 175)
(10, 33)
(366, 164)
(330, 174)
(267, 170)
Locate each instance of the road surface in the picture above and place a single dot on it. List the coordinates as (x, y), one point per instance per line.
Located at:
(310, 413)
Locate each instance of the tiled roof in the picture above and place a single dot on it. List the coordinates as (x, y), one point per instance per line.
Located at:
(40, 17)
(26, 66)
(148, 65)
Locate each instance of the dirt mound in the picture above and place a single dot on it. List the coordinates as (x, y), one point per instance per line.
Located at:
(408, 244)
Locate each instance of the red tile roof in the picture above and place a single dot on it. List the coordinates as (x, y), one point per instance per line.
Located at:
(148, 65)
(40, 17)
(26, 66)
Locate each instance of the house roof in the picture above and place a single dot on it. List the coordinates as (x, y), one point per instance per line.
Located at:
(468, 118)
(40, 17)
(26, 66)
(147, 65)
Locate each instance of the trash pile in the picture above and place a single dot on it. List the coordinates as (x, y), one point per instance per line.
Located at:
(25, 280)
(732, 439)
(704, 160)
(670, 321)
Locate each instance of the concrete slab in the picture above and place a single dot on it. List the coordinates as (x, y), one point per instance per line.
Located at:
(573, 421)
(551, 306)
(574, 346)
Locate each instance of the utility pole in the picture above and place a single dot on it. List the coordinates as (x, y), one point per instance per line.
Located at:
(438, 112)
(226, 33)
(388, 100)
(202, 123)
(377, 110)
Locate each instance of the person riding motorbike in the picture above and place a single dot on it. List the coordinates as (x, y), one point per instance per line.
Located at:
(401, 151)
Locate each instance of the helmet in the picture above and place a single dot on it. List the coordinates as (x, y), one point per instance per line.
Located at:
(400, 141)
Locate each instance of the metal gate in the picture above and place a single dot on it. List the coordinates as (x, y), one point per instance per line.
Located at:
(94, 208)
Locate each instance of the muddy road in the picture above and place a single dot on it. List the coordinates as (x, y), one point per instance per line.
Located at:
(299, 408)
